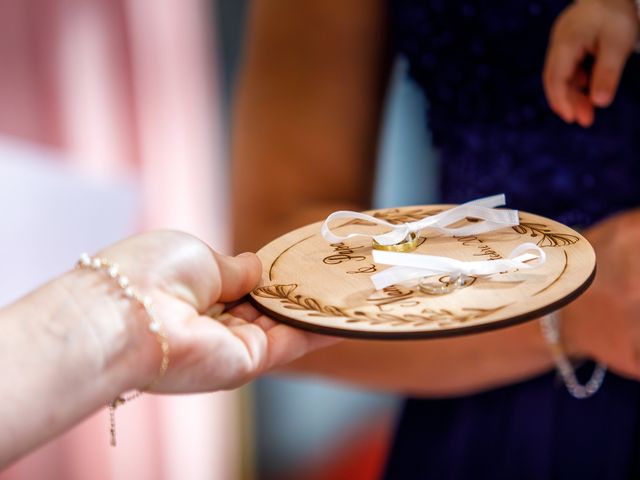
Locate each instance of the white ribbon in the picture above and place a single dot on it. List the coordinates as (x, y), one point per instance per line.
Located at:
(481, 209)
(409, 266)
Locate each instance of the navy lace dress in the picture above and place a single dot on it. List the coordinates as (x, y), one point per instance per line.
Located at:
(480, 65)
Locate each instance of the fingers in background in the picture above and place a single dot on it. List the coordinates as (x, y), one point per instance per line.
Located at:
(579, 96)
(560, 77)
(572, 40)
(612, 52)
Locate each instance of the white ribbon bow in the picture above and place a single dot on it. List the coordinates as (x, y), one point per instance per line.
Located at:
(409, 266)
(481, 208)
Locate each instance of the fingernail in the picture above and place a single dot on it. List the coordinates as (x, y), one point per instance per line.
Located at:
(245, 255)
(226, 318)
(601, 99)
(215, 310)
(567, 117)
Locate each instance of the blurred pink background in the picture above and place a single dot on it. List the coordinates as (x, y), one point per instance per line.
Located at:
(110, 104)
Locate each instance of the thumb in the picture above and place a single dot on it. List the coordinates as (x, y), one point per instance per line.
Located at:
(238, 275)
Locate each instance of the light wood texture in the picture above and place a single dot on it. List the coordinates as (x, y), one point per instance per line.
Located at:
(326, 288)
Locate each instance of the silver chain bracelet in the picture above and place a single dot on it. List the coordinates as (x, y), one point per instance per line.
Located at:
(550, 326)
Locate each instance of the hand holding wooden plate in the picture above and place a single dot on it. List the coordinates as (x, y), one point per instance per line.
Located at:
(311, 284)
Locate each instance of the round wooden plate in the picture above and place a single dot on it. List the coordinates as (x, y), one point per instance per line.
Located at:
(325, 288)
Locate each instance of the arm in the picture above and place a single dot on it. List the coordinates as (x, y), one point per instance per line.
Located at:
(306, 118)
(77, 343)
(306, 115)
(434, 368)
(56, 367)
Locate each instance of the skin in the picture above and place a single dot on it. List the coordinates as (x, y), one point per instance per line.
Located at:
(607, 30)
(304, 136)
(75, 344)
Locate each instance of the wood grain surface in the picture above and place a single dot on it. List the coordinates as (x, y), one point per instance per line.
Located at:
(326, 288)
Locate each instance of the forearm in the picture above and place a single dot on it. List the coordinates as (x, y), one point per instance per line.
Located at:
(63, 355)
(306, 114)
(435, 368)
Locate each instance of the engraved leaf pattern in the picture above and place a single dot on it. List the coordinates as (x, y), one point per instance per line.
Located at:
(440, 317)
(547, 238)
(275, 291)
(285, 294)
(397, 215)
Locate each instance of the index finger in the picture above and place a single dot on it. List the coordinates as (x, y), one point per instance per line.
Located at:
(561, 64)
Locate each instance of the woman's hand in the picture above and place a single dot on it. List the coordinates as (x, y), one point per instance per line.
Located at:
(77, 342)
(604, 323)
(186, 279)
(604, 29)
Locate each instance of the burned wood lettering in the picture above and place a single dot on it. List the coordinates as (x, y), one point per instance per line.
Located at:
(485, 250)
(343, 253)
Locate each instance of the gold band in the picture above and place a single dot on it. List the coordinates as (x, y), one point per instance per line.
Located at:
(404, 246)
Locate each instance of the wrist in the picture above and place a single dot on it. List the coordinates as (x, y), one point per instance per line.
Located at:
(122, 353)
(550, 326)
(572, 333)
(124, 361)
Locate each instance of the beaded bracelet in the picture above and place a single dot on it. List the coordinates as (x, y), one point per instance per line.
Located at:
(155, 326)
(550, 326)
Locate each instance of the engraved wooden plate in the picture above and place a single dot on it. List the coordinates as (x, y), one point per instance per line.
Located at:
(325, 288)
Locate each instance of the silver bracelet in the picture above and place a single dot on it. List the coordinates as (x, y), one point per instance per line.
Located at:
(550, 326)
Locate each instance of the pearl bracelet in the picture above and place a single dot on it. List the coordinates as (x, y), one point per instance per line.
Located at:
(550, 326)
(155, 327)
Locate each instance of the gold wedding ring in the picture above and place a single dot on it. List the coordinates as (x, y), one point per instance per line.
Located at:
(404, 246)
